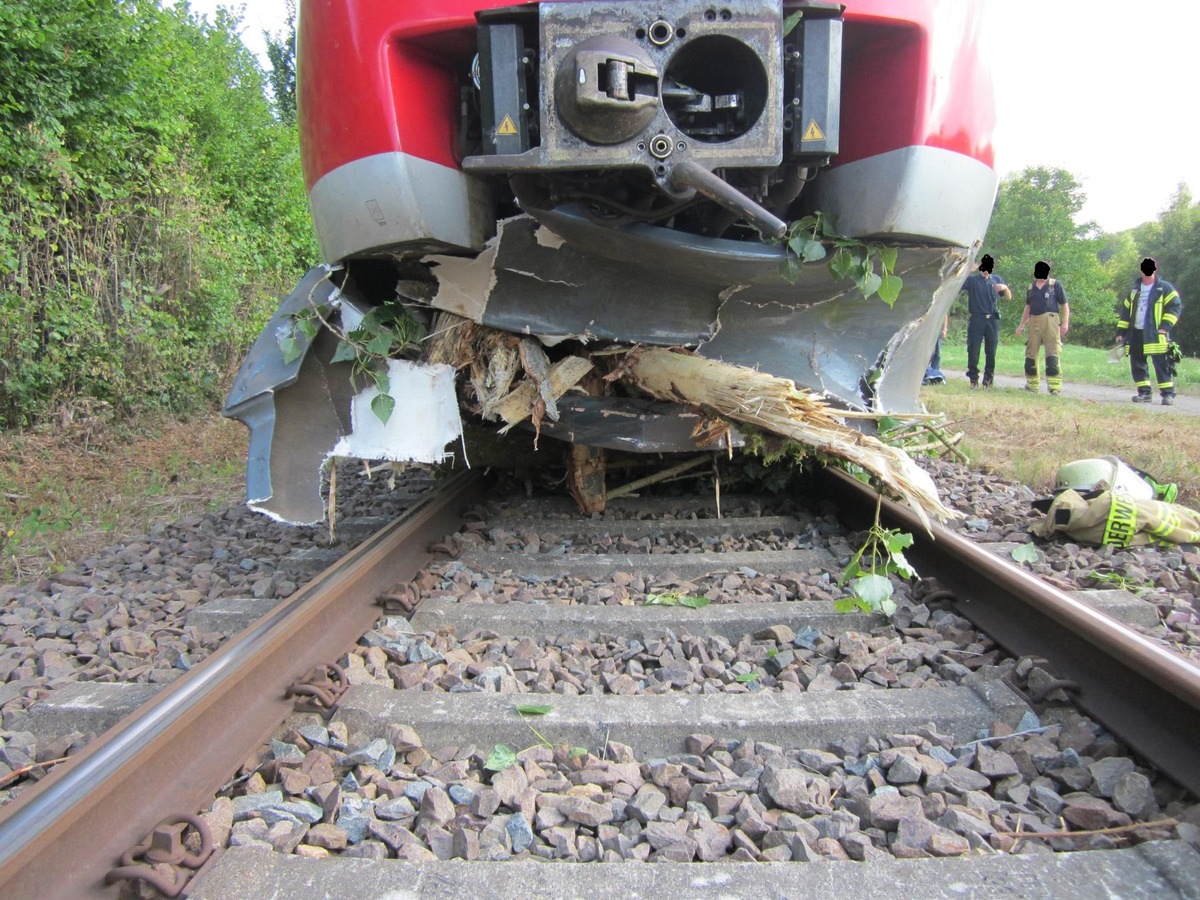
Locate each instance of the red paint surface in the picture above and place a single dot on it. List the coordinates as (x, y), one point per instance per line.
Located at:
(916, 73)
(378, 76)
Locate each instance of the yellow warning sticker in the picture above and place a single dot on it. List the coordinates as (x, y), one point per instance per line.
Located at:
(813, 132)
(506, 126)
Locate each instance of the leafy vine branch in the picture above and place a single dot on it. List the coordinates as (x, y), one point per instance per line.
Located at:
(387, 331)
(805, 242)
(881, 555)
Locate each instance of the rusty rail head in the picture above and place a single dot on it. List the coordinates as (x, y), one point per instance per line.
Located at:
(1142, 692)
(175, 751)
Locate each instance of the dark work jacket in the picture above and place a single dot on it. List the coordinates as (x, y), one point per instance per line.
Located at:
(1162, 312)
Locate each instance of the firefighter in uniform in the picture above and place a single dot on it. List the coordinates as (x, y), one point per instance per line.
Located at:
(1048, 315)
(1144, 322)
(983, 326)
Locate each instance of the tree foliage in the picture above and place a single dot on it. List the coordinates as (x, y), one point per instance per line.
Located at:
(1035, 218)
(151, 205)
(281, 52)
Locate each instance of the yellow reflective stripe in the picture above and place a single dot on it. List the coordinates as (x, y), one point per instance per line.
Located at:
(1169, 520)
(1121, 525)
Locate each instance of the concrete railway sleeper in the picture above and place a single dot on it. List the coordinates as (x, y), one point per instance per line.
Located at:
(655, 685)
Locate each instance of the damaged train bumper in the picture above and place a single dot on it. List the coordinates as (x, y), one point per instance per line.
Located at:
(303, 413)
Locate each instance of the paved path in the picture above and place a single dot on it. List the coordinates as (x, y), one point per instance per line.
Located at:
(1099, 393)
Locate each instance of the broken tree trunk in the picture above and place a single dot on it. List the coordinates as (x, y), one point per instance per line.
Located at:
(777, 405)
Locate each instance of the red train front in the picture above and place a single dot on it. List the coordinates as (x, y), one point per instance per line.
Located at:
(587, 177)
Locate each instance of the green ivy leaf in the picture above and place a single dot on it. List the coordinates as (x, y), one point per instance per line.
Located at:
(529, 710)
(869, 283)
(897, 541)
(790, 269)
(381, 343)
(307, 327)
(383, 405)
(576, 752)
(889, 423)
(345, 352)
(747, 677)
(901, 566)
(841, 263)
(813, 251)
(889, 288)
(845, 605)
(500, 758)
(887, 258)
(291, 349)
(662, 599)
(694, 602)
(1026, 553)
(790, 23)
(802, 225)
(872, 590)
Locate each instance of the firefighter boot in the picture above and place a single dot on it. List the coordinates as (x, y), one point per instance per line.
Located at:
(1054, 378)
(1033, 379)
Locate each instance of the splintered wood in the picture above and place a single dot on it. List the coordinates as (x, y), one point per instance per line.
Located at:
(777, 405)
(513, 380)
(495, 359)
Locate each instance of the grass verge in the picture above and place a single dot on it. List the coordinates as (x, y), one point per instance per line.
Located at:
(1026, 437)
(1082, 365)
(66, 492)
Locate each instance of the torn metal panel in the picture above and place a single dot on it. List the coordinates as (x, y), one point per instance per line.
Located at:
(300, 413)
(533, 285)
(637, 425)
(264, 369)
(724, 298)
(836, 344)
(423, 422)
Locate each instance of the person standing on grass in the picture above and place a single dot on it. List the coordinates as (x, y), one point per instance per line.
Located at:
(1048, 316)
(983, 327)
(1144, 322)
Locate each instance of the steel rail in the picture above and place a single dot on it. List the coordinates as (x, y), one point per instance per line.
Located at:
(62, 836)
(1142, 692)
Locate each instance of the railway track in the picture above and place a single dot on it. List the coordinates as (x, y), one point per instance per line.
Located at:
(667, 686)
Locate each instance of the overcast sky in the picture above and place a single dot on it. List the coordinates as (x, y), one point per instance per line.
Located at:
(1105, 90)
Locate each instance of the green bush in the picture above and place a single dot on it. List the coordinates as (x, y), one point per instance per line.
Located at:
(151, 206)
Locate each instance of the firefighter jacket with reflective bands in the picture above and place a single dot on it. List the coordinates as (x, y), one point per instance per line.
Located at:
(1162, 312)
(1114, 517)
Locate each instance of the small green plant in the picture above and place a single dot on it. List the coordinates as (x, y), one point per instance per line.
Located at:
(1118, 582)
(503, 756)
(674, 598)
(388, 331)
(881, 555)
(1026, 553)
(805, 241)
